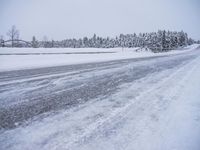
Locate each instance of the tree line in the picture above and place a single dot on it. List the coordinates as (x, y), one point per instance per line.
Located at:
(161, 40)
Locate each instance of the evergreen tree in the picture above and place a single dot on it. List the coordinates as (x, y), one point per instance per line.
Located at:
(34, 42)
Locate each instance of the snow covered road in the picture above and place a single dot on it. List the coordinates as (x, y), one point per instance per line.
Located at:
(142, 103)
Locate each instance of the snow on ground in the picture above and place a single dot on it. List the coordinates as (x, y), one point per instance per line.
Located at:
(18, 61)
(57, 50)
(158, 112)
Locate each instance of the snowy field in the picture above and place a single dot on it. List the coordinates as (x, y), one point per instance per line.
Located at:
(150, 103)
(27, 58)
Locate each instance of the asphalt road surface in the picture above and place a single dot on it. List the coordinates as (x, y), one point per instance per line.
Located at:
(28, 94)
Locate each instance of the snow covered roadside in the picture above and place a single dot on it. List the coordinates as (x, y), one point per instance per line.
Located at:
(175, 115)
(183, 119)
(18, 62)
(57, 50)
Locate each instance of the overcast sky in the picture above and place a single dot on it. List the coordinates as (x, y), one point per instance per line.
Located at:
(60, 19)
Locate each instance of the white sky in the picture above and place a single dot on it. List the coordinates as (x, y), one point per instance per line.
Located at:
(60, 19)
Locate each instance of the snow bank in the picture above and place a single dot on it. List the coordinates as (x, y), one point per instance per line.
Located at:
(59, 50)
(18, 61)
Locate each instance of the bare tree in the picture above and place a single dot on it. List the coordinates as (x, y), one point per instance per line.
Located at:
(13, 34)
(1, 41)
